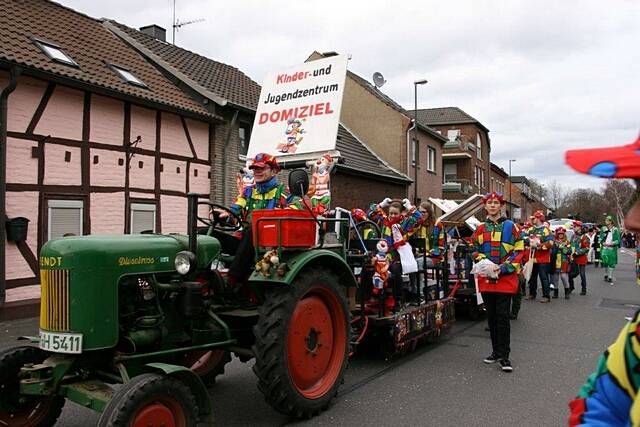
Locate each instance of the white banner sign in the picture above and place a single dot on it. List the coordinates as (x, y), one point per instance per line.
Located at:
(299, 109)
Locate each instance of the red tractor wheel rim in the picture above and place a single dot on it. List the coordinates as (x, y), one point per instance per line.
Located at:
(166, 413)
(316, 342)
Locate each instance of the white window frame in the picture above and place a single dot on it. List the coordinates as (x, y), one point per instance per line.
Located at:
(479, 146)
(146, 207)
(447, 175)
(64, 204)
(452, 134)
(55, 53)
(127, 76)
(247, 138)
(431, 159)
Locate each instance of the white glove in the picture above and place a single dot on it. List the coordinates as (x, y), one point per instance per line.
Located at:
(385, 203)
(407, 204)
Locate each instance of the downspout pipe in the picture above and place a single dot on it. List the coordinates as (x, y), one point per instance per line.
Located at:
(411, 128)
(4, 105)
(224, 156)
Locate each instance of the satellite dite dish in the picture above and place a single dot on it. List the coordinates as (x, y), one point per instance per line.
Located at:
(378, 79)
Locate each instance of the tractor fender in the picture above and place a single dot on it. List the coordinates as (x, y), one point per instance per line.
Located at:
(299, 262)
(191, 380)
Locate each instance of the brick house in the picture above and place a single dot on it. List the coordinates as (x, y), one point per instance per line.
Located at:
(386, 128)
(499, 182)
(523, 196)
(97, 140)
(466, 154)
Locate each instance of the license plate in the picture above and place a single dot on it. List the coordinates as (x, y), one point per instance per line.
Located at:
(58, 342)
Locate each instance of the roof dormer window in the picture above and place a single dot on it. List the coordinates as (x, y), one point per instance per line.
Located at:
(127, 76)
(55, 53)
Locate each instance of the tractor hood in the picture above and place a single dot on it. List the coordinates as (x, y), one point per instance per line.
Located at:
(127, 253)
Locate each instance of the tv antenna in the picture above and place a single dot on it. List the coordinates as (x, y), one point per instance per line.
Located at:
(177, 24)
(378, 80)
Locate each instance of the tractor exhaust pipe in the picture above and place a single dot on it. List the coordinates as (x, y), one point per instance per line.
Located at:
(192, 222)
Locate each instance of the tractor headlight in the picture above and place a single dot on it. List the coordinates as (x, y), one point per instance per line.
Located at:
(183, 262)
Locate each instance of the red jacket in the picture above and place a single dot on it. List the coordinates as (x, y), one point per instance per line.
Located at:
(543, 251)
(581, 244)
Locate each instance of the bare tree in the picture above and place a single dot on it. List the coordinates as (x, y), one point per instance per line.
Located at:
(618, 194)
(557, 194)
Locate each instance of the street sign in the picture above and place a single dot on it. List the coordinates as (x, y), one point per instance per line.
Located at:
(299, 109)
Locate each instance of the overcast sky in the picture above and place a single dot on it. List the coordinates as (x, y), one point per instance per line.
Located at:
(543, 76)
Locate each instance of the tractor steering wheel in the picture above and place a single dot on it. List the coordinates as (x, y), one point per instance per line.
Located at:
(218, 220)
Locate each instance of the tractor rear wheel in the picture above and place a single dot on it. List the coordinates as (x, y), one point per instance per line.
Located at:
(207, 364)
(302, 344)
(18, 410)
(151, 400)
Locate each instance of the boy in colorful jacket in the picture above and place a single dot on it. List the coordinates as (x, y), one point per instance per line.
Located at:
(541, 240)
(498, 239)
(581, 245)
(610, 239)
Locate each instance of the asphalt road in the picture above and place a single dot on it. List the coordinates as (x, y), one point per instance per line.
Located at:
(554, 348)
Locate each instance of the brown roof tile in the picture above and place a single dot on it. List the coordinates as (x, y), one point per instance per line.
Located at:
(223, 80)
(445, 116)
(89, 44)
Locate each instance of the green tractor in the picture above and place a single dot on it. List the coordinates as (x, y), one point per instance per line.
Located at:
(137, 326)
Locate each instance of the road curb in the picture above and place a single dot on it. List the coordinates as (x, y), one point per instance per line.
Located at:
(22, 309)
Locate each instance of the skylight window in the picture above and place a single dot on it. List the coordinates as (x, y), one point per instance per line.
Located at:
(55, 53)
(127, 76)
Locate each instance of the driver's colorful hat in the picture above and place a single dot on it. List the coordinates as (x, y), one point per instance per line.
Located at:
(263, 159)
(621, 161)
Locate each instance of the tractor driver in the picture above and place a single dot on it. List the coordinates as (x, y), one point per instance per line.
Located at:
(266, 194)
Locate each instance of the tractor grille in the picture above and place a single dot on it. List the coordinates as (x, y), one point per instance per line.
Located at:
(54, 303)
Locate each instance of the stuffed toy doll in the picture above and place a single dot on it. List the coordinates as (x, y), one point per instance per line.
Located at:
(319, 189)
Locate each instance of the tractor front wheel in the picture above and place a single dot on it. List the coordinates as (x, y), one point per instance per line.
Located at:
(18, 410)
(302, 344)
(151, 400)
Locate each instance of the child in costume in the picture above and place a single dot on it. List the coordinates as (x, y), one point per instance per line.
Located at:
(610, 396)
(498, 239)
(431, 231)
(580, 245)
(395, 227)
(562, 261)
(610, 238)
(541, 240)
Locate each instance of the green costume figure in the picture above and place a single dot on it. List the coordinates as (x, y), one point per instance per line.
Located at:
(610, 238)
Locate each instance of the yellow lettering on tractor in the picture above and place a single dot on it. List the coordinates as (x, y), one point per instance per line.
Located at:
(50, 261)
(123, 261)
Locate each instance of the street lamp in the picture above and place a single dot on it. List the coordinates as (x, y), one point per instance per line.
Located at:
(416, 149)
(510, 204)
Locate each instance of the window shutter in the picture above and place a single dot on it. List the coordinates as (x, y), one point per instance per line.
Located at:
(65, 217)
(143, 218)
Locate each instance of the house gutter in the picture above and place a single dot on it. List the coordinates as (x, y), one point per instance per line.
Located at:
(224, 155)
(4, 104)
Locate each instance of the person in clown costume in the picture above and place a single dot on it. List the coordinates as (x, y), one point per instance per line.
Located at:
(610, 238)
(267, 193)
(498, 240)
(610, 396)
(541, 240)
(396, 220)
(432, 232)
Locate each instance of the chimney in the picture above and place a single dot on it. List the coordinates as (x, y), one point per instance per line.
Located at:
(155, 31)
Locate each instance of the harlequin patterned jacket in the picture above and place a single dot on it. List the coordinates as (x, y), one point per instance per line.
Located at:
(543, 251)
(610, 396)
(267, 195)
(407, 223)
(501, 243)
